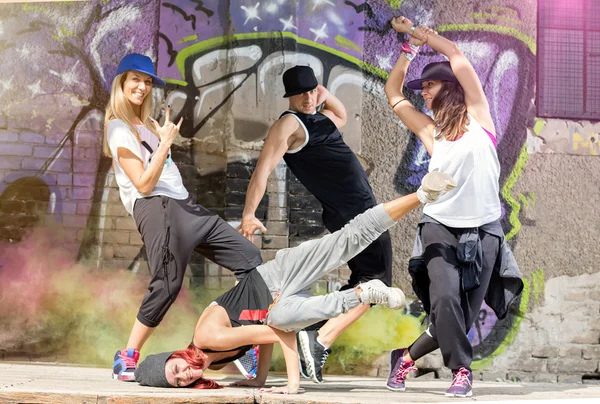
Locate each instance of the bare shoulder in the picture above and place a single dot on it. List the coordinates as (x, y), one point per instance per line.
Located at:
(286, 126)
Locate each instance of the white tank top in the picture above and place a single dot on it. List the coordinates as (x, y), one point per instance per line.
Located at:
(473, 162)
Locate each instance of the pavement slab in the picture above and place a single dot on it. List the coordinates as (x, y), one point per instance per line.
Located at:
(46, 383)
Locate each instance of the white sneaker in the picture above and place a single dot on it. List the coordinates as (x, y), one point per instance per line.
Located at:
(434, 185)
(375, 292)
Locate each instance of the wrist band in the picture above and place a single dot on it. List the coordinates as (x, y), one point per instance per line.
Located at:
(411, 30)
(396, 104)
(409, 50)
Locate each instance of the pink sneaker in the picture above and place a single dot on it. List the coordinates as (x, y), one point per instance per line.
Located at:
(125, 364)
(462, 384)
(399, 369)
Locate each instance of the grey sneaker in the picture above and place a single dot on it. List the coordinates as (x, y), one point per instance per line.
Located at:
(315, 354)
(435, 185)
(375, 292)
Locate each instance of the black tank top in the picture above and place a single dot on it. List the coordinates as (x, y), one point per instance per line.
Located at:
(330, 170)
(247, 303)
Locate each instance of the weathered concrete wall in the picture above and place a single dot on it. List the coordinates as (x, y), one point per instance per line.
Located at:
(223, 63)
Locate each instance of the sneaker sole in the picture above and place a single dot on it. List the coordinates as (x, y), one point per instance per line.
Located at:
(395, 389)
(242, 369)
(123, 378)
(308, 359)
(469, 394)
(304, 375)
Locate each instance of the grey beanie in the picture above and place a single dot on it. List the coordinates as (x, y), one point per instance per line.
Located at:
(151, 372)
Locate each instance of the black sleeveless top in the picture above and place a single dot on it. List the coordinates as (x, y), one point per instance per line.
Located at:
(247, 303)
(330, 170)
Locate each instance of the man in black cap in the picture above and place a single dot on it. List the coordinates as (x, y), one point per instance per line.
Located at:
(313, 148)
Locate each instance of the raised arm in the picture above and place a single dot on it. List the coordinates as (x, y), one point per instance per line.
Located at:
(332, 107)
(475, 99)
(279, 139)
(145, 179)
(419, 123)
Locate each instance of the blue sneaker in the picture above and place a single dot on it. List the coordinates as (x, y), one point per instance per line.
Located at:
(125, 364)
(248, 364)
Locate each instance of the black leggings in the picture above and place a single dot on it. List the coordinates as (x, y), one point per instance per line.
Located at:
(171, 229)
(452, 311)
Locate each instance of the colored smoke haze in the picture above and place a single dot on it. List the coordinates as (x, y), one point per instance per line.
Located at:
(52, 307)
(373, 335)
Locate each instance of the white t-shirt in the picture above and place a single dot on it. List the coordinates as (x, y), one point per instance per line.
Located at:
(169, 184)
(473, 162)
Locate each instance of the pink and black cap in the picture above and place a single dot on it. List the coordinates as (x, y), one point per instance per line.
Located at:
(434, 71)
(298, 80)
(139, 63)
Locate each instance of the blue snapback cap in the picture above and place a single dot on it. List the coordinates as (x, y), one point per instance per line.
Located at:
(139, 63)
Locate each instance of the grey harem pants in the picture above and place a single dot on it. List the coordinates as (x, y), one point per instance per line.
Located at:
(293, 270)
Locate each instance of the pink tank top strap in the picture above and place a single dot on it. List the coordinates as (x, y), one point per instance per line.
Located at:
(492, 137)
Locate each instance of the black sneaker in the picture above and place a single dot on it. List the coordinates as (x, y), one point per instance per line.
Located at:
(303, 371)
(315, 354)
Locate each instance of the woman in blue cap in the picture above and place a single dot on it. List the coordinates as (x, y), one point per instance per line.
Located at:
(151, 189)
(460, 256)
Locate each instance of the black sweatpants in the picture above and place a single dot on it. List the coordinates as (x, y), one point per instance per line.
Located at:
(452, 311)
(171, 229)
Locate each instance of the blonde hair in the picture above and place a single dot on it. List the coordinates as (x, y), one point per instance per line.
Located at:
(120, 108)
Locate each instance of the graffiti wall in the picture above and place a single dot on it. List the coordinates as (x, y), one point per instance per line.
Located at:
(223, 63)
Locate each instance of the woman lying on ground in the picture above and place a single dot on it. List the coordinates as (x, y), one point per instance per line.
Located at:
(273, 301)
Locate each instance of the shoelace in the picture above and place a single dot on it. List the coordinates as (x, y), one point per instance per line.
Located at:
(378, 296)
(130, 363)
(324, 357)
(461, 378)
(403, 371)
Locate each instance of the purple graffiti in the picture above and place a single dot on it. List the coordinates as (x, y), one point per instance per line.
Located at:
(323, 21)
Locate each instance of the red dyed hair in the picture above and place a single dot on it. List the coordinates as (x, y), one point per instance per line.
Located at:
(195, 358)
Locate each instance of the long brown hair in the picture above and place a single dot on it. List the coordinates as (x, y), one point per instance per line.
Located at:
(195, 358)
(119, 108)
(450, 111)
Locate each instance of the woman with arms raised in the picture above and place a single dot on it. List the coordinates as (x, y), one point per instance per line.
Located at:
(460, 256)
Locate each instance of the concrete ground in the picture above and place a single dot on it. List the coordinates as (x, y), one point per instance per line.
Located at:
(44, 383)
